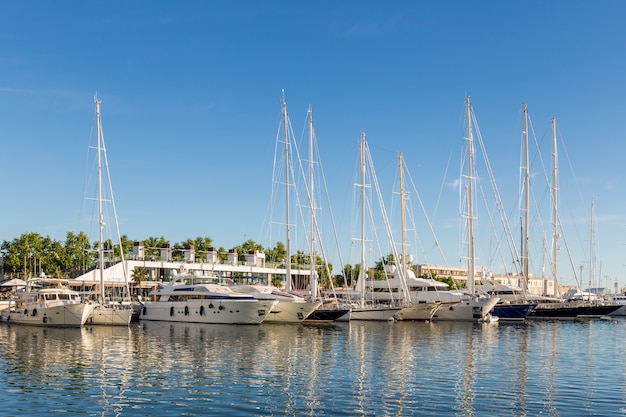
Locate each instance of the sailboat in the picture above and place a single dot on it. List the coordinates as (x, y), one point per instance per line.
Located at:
(470, 305)
(568, 309)
(519, 309)
(106, 312)
(395, 290)
(364, 306)
(290, 308)
(324, 313)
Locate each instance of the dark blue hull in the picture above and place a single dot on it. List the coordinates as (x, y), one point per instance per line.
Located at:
(513, 311)
(322, 315)
(572, 313)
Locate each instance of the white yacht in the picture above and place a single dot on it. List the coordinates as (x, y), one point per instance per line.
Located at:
(198, 299)
(47, 302)
(290, 308)
(450, 305)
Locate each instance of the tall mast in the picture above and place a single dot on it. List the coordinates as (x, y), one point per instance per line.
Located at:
(402, 224)
(470, 209)
(526, 204)
(555, 218)
(313, 258)
(288, 283)
(100, 215)
(592, 240)
(362, 199)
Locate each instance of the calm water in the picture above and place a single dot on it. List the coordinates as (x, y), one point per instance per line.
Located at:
(352, 369)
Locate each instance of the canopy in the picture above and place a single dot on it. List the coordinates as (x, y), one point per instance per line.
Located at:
(15, 282)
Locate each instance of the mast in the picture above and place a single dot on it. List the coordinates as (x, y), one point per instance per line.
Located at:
(100, 215)
(592, 240)
(526, 205)
(362, 200)
(312, 260)
(402, 227)
(555, 218)
(470, 213)
(288, 283)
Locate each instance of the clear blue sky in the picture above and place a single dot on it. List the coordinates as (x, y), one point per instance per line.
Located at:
(191, 105)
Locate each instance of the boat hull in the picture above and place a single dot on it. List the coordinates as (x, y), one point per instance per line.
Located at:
(571, 313)
(110, 315)
(291, 312)
(64, 315)
(471, 309)
(513, 312)
(208, 311)
(374, 314)
(418, 312)
(327, 315)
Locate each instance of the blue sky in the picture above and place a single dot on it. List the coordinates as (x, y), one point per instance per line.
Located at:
(191, 105)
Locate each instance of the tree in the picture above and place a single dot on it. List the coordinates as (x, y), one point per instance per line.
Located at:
(76, 253)
(153, 245)
(23, 254)
(139, 274)
(200, 244)
(277, 254)
(248, 246)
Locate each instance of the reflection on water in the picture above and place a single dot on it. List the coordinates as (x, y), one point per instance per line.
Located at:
(351, 369)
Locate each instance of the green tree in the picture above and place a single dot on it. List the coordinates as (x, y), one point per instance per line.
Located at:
(152, 247)
(276, 254)
(76, 253)
(139, 275)
(200, 244)
(22, 253)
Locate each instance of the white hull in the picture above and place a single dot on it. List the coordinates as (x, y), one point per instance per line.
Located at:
(208, 311)
(63, 315)
(418, 312)
(374, 314)
(4, 304)
(291, 312)
(110, 315)
(472, 309)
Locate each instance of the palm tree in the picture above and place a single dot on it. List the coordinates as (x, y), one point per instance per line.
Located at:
(139, 275)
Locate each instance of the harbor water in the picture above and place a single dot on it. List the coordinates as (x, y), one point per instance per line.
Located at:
(347, 369)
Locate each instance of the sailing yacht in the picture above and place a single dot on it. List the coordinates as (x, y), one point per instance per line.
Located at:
(395, 291)
(290, 307)
(363, 306)
(106, 312)
(519, 308)
(471, 305)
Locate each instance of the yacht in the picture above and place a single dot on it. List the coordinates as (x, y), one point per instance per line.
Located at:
(290, 308)
(199, 299)
(47, 302)
(446, 304)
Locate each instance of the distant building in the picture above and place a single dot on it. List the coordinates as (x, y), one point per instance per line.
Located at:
(536, 285)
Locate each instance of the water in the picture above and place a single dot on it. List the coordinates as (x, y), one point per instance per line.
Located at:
(349, 369)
